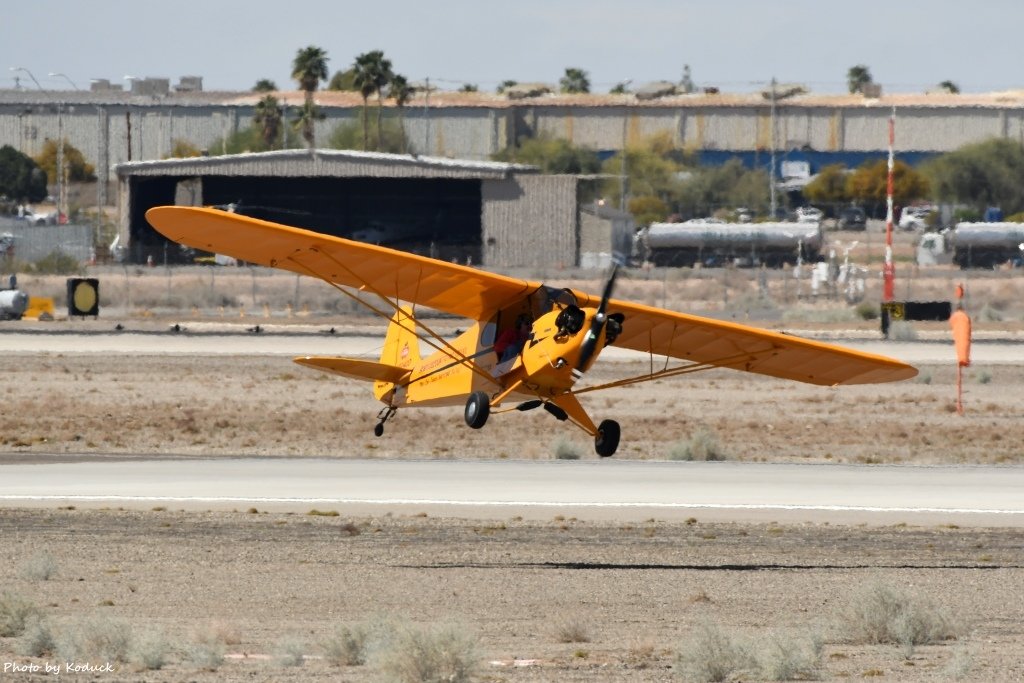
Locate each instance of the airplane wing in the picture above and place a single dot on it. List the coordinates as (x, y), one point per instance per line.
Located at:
(447, 287)
(741, 347)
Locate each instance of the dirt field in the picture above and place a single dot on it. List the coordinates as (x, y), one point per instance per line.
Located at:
(260, 587)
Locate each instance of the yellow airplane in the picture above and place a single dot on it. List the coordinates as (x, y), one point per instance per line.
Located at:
(564, 332)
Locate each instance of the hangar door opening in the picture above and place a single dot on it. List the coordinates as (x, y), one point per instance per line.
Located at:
(432, 217)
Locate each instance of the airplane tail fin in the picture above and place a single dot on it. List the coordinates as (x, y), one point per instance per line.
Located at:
(401, 345)
(401, 348)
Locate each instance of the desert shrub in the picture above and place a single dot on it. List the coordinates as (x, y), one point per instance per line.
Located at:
(290, 652)
(901, 330)
(924, 378)
(347, 646)
(149, 651)
(785, 658)
(867, 310)
(984, 377)
(436, 654)
(571, 630)
(566, 450)
(15, 614)
(57, 263)
(712, 655)
(95, 639)
(702, 445)
(37, 640)
(40, 567)
(881, 614)
(206, 650)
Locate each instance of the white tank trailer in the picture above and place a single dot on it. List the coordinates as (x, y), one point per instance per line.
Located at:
(715, 243)
(987, 245)
(13, 303)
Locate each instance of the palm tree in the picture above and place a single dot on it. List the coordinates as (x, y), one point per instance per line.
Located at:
(268, 117)
(857, 78)
(575, 81)
(950, 87)
(309, 68)
(400, 89)
(366, 70)
(307, 116)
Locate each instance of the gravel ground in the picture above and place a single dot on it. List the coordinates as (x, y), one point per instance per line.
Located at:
(634, 595)
(260, 584)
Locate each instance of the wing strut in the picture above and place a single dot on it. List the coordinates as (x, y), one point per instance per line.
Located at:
(447, 348)
(673, 372)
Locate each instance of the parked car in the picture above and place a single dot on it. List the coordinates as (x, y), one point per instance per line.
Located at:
(914, 218)
(852, 218)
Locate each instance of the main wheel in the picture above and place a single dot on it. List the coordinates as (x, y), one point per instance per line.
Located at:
(478, 408)
(378, 430)
(607, 439)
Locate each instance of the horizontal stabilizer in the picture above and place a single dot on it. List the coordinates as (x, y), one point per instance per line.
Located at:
(356, 369)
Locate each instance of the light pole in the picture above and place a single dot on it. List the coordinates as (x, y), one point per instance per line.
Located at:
(65, 77)
(774, 95)
(622, 166)
(21, 68)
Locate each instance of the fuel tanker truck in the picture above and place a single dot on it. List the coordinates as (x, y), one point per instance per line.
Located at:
(712, 242)
(987, 245)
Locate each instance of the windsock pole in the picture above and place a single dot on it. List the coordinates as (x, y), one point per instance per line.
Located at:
(961, 324)
(888, 268)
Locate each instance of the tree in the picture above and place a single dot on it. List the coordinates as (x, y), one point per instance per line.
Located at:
(264, 85)
(950, 87)
(989, 173)
(575, 81)
(829, 186)
(869, 183)
(181, 149)
(552, 155)
(309, 68)
(400, 89)
(268, 116)
(857, 78)
(343, 80)
(373, 72)
(349, 135)
(75, 166)
(730, 185)
(469, 87)
(648, 209)
(20, 176)
(619, 89)
(306, 119)
(505, 85)
(651, 170)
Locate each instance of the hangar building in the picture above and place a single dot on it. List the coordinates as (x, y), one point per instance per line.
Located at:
(497, 215)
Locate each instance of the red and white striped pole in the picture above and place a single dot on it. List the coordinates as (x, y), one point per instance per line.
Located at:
(888, 268)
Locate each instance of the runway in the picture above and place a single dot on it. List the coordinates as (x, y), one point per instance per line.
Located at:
(482, 489)
(302, 340)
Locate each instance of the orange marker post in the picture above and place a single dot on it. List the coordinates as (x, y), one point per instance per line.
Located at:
(961, 324)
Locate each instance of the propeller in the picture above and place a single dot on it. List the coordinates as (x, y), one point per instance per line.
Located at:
(597, 323)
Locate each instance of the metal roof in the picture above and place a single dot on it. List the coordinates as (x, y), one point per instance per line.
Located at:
(326, 162)
(441, 99)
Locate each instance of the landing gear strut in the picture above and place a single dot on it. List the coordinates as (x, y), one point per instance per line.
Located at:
(478, 408)
(385, 414)
(607, 439)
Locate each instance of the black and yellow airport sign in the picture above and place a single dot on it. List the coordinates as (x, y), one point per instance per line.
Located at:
(83, 296)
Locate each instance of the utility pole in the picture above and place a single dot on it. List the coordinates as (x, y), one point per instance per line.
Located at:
(771, 175)
(889, 268)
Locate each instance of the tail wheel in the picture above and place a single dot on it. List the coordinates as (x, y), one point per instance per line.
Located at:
(478, 408)
(607, 439)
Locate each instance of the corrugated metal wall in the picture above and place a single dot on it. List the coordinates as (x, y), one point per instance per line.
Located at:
(101, 131)
(530, 220)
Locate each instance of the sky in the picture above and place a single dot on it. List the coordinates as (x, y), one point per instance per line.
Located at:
(735, 45)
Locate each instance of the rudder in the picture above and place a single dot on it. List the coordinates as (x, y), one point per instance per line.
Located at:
(401, 346)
